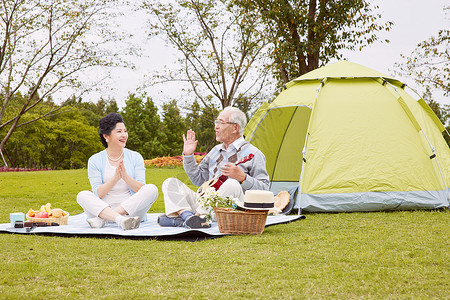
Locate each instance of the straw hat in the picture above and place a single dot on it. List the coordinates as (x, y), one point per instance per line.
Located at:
(257, 200)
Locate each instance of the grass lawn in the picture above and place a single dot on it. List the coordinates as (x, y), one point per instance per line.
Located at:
(396, 255)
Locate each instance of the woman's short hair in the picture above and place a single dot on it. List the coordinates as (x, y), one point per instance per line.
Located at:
(238, 117)
(107, 124)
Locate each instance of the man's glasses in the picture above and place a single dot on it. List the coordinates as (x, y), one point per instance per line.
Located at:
(221, 123)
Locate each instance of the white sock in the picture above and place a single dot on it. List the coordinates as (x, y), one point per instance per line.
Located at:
(119, 219)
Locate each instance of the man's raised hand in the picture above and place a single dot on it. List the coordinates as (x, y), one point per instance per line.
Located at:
(189, 142)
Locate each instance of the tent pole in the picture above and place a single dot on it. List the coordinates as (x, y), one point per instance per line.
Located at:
(300, 184)
(417, 126)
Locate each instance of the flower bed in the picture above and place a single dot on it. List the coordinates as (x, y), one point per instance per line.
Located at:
(171, 161)
(5, 169)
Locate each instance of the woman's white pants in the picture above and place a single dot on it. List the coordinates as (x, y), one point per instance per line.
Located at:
(135, 205)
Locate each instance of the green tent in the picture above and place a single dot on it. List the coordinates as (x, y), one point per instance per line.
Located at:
(352, 139)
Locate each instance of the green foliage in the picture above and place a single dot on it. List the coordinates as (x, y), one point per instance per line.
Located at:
(305, 35)
(107, 106)
(93, 112)
(174, 127)
(64, 141)
(68, 139)
(72, 141)
(201, 120)
(144, 127)
(26, 145)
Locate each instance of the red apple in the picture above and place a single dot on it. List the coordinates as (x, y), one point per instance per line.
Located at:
(42, 214)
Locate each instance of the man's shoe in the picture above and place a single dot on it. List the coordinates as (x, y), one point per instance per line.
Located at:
(196, 222)
(96, 222)
(165, 221)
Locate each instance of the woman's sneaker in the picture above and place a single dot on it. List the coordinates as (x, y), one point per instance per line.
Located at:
(130, 223)
(96, 222)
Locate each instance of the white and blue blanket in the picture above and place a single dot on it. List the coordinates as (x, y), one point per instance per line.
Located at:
(77, 226)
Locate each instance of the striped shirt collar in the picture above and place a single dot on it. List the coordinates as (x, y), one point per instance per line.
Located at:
(236, 144)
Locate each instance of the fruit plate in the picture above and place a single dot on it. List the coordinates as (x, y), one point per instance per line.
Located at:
(61, 221)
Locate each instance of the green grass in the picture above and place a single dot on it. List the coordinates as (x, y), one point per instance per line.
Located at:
(20, 191)
(397, 255)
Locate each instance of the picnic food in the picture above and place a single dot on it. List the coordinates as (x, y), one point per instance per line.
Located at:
(47, 214)
(281, 200)
(47, 207)
(42, 214)
(44, 208)
(56, 213)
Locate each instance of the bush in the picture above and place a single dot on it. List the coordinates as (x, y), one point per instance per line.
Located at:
(5, 169)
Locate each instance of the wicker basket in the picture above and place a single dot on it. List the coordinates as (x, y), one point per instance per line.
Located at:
(240, 222)
(61, 221)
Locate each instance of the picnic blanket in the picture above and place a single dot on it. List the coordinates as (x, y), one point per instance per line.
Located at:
(77, 226)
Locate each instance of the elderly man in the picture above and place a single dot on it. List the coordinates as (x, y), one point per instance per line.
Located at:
(182, 208)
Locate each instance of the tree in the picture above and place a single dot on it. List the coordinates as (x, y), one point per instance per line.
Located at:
(27, 144)
(221, 48)
(305, 35)
(435, 106)
(201, 120)
(144, 127)
(64, 141)
(72, 141)
(442, 112)
(93, 112)
(429, 66)
(174, 126)
(107, 106)
(429, 63)
(44, 45)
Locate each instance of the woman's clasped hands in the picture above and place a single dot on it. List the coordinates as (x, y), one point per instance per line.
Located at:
(121, 172)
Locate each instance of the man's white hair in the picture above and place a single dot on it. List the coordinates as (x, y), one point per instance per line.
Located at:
(238, 117)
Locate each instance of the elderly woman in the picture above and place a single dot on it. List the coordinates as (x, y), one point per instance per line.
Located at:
(117, 176)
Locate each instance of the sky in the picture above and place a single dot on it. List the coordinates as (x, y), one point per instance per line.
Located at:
(414, 21)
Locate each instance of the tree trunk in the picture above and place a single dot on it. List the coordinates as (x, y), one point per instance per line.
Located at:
(313, 53)
(3, 158)
(283, 73)
(6, 138)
